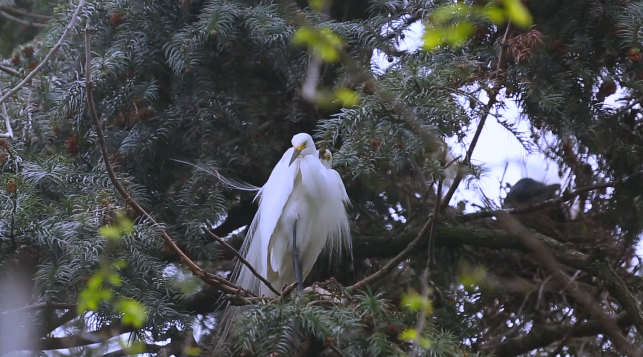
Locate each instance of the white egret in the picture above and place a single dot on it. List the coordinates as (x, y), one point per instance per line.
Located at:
(301, 210)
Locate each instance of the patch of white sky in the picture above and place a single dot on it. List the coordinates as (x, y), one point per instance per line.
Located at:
(496, 150)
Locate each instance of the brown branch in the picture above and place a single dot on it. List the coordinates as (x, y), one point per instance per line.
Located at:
(493, 99)
(55, 323)
(395, 261)
(543, 336)
(79, 340)
(550, 202)
(11, 71)
(7, 122)
(210, 279)
(49, 56)
(149, 348)
(44, 305)
(25, 13)
(547, 259)
(241, 258)
(21, 21)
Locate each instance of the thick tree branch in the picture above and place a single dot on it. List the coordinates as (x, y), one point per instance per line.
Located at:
(49, 56)
(543, 336)
(547, 203)
(81, 339)
(208, 278)
(538, 250)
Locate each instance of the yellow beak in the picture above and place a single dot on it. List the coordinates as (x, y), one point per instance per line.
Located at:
(295, 155)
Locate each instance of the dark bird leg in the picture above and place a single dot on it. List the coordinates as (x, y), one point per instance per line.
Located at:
(295, 259)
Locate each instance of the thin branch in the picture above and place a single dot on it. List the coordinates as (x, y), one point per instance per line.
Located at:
(149, 348)
(395, 261)
(547, 259)
(25, 13)
(550, 202)
(21, 21)
(49, 56)
(241, 258)
(11, 71)
(493, 99)
(44, 305)
(7, 122)
(79, 340)
(211, 279)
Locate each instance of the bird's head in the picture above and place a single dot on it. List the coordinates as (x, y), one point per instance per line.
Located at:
(303, 145)
(326, 158)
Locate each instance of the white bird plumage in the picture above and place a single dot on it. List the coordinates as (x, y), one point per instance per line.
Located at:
(303, 195)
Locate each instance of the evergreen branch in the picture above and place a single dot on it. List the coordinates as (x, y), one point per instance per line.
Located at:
(543, 336)
(550, 202)
(7, 122)
(49, 56)
(44, 305)
(208, 278)
(21, 21)
(11, 71)
(493, 99)
(68, 316)
(241, 258)
(396, 260)
(25, 13)
(537, 249)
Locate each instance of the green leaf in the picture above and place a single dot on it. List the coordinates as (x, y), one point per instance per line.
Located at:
(459, 34)
(304, 36)
(193, 351)
(136, 348)
(114, 279)
(133, 312)
(318, 4)
(408, 335)
(110, 232)
(431, 38)
(347, 97)
(494, 14)
(518, 13)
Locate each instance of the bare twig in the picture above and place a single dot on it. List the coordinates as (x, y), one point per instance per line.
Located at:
(7, 122)
(44, 305)
(211, 279)
(49, 56)
(25, 13)
(20, 21)
(548, 260)
(11, 71)
(241, 258)
(396, 260)
(493, 99)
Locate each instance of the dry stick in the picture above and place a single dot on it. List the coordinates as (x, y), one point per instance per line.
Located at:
(51, 53)
(547, 259)
(44, 305)
(563, 198)
(11, 71)
(7, 122)
(241, 258)
(396, 260)
(210, 279)
(23, 12)
(20, 21)
(493, 98)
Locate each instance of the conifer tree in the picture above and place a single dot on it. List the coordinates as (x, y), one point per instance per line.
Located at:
(106, 231)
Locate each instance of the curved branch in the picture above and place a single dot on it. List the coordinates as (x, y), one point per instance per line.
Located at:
(49, 56)
(210, 279)
(20, 21)
(543, 336)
